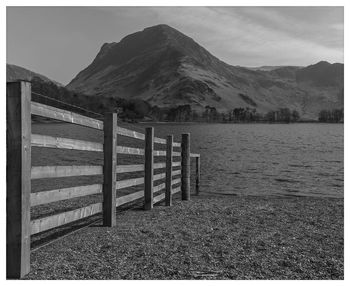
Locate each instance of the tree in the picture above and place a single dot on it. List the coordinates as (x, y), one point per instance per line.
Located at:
(335, 115)
(284, 115)
(295, 116)
(180, 113)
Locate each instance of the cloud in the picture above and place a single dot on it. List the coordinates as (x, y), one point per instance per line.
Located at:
(244, 35)
(59, 42)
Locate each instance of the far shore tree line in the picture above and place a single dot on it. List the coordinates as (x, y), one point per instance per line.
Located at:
(135, 110)
(184, 113)
(331, 116)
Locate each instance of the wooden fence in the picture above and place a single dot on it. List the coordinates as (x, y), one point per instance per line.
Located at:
(19, 140)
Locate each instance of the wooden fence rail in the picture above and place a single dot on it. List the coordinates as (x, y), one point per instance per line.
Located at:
(64, 143)
(20, 199)
(46, 223)
(51, 196)
(41, 172)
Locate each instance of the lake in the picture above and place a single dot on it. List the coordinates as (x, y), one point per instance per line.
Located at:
(243, 159)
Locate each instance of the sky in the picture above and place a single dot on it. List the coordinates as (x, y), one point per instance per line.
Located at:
(59, 42)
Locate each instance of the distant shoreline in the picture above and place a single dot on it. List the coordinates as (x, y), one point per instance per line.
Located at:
(52, 121)
(257, 122)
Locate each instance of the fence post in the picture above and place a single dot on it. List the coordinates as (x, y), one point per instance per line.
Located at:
(185, 167)
(18, 181)
(198, 173)
(109, 169)
(149, 142)
(169, 170)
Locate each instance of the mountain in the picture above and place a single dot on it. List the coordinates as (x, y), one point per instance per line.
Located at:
(49, 92)
(14, 73)
(167, 68)
(322, 74)
(271, 68)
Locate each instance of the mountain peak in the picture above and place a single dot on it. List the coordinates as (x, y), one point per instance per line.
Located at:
(153, 43)
(323, 63)
(160, 27)
(144, 41)
(322, 74)
(158, 35)
(165, 67)
(326, 64)
(161, 32)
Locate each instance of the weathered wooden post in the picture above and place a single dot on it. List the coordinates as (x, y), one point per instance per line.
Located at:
(185, 167)
(198, 173)
(109, 169)
(18, 181)
(169, 170)
(149, 145)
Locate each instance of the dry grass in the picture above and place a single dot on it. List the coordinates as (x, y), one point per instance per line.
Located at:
(216, 237)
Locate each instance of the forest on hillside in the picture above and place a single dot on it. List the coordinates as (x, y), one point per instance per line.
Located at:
(135, 110)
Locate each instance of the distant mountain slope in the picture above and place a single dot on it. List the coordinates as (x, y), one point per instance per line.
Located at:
(271, 68)
(167, 68)
(48, 92)
(14, 72)
(322, 74)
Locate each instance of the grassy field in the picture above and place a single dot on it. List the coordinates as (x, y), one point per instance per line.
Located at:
(209, 237)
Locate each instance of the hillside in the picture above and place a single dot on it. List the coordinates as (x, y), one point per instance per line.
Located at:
(271, 68)
(14, 73)
(167, 68)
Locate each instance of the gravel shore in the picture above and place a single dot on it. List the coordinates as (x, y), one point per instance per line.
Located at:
(209, 237)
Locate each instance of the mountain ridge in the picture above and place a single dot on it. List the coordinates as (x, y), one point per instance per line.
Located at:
(167, 68)
(272, 68)
(15, 72)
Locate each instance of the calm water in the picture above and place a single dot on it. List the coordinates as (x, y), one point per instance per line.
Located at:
(282, 159)
(245, 159)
